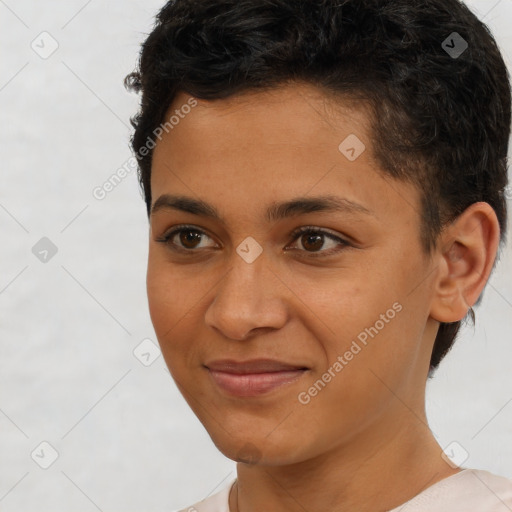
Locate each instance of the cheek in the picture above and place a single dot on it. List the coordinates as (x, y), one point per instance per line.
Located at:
(175, 298)
(361, 379)
(342, 305)
(161, 299)
(171, 290)
(169, 299)
(370, 319)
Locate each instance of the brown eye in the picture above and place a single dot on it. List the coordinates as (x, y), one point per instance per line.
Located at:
(187, 239)
(312, 242)
(190, 238)
(317, 242)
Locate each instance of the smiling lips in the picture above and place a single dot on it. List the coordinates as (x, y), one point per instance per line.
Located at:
(253, 378)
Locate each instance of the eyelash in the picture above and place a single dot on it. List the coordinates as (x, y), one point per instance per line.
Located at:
(296, 234)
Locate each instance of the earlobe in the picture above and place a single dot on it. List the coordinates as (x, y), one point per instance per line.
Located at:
(465, 257)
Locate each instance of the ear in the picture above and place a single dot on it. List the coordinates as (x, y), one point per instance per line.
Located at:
(466, 251)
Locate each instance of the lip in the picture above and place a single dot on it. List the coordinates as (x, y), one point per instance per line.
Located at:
(254, 377)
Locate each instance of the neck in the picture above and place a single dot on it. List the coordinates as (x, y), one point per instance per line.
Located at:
(379, 469)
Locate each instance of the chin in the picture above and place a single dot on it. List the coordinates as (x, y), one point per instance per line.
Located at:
(255, 450)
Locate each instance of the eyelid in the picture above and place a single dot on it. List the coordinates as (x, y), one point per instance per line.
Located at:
(315, 229)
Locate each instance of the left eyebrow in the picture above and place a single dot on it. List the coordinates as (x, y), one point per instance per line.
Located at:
(276, 211)
(303, 205)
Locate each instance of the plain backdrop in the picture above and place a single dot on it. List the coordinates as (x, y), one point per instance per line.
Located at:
(79, 394)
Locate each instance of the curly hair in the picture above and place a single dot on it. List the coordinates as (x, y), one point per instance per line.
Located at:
(440, 119)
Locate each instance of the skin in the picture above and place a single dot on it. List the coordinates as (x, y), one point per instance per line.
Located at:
(363, 442)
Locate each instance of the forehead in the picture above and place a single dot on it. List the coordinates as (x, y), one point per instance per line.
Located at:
(300, 107)
(259, 146)
(295, 123)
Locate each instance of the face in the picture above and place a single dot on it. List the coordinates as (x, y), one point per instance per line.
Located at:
(286, 344)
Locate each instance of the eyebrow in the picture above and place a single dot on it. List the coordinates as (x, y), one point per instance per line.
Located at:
(276, 211)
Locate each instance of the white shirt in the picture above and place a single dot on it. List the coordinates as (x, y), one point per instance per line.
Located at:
(470, 490)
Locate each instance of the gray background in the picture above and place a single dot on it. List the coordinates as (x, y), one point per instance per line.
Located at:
(125, 438)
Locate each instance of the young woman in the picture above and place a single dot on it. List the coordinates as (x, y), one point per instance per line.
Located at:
(325, 184)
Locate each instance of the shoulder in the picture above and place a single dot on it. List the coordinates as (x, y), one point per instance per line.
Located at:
(218, 502)
(470, 489)
(494, 492)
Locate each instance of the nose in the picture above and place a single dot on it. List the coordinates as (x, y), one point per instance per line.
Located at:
(249, 299)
